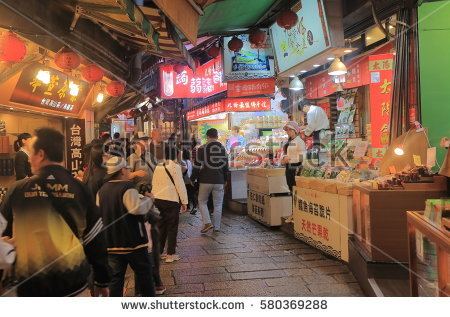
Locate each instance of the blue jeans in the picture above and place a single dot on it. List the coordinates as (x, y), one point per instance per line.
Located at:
(203, 194)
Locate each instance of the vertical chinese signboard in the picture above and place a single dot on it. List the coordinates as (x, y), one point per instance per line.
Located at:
(54, 95)
(75, 141)
(205, 82)
(381, 68)
(320, 219)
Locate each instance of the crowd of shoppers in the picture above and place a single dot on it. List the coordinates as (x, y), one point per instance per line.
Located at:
(70, 234)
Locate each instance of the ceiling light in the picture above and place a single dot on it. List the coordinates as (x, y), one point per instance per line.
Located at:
(316, 65)
(330, 58)
(292, 76)
(66, 117)
(337, 68)
(368, 38)
(303, 71)
(296, 84)
(43, 76)
(11, 108)
(100, 97)
(391, 27)
(348, 51)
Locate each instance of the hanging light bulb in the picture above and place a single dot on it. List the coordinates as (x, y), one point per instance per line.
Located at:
(73, 89)
(296, 84)
(43, 76)
(337, 68)
(399, 150)
(100, 97)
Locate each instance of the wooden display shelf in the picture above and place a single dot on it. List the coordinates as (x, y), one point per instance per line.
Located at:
(379, 220)
(416, 221)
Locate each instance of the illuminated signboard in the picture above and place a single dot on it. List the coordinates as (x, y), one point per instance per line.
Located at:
(250, 62)
(251, 87)
(230, 104)
(205, 82)
(54, 95)
(305, 40)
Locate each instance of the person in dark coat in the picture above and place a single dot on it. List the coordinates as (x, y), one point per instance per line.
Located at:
(22, 160)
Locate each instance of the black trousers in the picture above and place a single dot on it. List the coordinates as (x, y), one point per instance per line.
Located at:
(140, 264)
(291, 168)
(192, 195)
(316, 139)
(168, 225)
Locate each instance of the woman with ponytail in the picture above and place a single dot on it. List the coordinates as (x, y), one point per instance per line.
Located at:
(22, 161)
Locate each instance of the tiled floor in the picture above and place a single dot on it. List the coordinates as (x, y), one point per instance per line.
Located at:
(248, 259)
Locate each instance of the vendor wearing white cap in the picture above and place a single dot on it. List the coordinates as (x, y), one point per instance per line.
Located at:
(317, 121)
(293, 152)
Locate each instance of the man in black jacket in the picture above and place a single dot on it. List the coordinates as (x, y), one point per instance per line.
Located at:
(211, 171)
(56, 226)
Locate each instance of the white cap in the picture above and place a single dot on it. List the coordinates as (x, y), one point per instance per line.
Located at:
(115, 164)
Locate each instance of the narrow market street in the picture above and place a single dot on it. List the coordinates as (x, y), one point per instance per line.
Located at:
(248, 259)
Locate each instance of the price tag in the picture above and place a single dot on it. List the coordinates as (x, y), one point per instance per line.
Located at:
(417, 160)
(431, 157)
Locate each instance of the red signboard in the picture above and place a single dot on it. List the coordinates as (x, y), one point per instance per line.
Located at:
(247, 104)
(230, 104)
(358, 74)
(205, 82)
(381, 69)
(251, 87)
(207, 110)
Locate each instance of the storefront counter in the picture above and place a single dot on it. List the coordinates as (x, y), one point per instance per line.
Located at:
(237, 183)
(268, 197)
(379, 220)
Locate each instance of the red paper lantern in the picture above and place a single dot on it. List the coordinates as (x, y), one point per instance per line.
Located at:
(92, 73)
(12, 49)
(67, 59)
(213, 51)
(235, 44)
(115, 89)
(257, 37)
(178, 68)
(287, 19)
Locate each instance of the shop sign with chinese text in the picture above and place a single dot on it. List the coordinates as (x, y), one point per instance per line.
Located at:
(252, 87)
(381, 69)
(247, 104)
(54, 96)
(250, 62)
(205, 82)
(305, 40)
(75, 141)
(210, 109)
(321, 221)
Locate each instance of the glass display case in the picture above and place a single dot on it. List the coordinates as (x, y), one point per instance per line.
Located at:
(429, 257)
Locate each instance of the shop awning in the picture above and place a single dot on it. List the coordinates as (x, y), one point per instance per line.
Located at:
(136, 26)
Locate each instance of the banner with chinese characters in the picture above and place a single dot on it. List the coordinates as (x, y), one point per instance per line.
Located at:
(250, 62)
(267, 209)
(320, 219)
(205, 82)
(213, 108)
(247, 104)
(55, 95)
(252, 87)
(381, 69)
(75, 141)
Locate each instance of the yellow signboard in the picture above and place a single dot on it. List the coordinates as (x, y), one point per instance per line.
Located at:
(320, 219)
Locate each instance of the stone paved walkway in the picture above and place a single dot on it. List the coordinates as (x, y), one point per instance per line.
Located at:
(248, 259)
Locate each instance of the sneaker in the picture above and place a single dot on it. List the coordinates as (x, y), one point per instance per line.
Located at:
(193, 211)
(170, 258)
(163, 256)
(217, 230)
(207, 227)
(160, 290)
